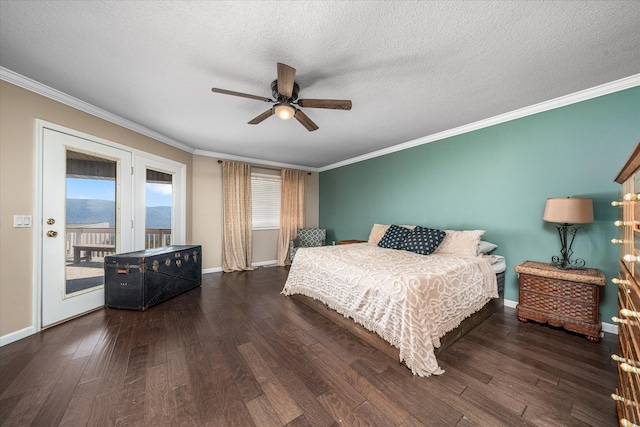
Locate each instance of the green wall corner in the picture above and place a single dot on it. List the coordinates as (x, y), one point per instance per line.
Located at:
(498, 179)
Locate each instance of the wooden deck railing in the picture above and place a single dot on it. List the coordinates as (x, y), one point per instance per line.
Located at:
(157, 237)
(100, 241)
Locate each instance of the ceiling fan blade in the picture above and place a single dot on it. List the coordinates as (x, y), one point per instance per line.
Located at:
(305, 121)
(286, 78)
(244, 95)
(334, 104)
(261, 117)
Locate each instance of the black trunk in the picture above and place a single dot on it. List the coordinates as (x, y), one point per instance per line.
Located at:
(139, 280)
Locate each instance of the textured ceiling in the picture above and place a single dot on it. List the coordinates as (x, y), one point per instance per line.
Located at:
(412, 69)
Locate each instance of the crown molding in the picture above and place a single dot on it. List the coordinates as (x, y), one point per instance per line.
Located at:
(257, 162)
(41, 89)
(594, 92)
(54, 94)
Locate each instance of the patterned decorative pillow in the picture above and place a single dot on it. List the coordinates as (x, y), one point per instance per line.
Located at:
(394, 237)
(378, 230)
(423, 240)
(462, 243)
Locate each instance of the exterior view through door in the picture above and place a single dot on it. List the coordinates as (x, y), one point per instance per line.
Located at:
(86, 213)
(90, 219)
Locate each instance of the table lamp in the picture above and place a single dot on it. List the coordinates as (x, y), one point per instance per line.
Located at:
(566, 212)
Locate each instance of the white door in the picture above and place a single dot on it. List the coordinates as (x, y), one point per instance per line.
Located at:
(87, 214)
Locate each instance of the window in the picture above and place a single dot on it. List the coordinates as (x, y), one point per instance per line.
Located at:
(159, 207)
(265, 201)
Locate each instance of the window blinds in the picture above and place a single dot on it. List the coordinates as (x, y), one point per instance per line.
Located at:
(265, 201)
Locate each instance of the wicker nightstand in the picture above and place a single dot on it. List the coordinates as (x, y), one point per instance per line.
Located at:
(564, 298)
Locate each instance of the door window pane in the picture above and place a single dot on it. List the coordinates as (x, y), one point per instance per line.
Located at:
(158, 209)
(90, 227)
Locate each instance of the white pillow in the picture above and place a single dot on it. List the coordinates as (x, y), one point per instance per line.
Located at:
(486, 247)
(461, 243)
(377, 232)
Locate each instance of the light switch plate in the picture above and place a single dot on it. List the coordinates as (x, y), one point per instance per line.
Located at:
(21, 221)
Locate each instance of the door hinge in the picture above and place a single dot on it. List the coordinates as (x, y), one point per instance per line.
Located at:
(131, 170)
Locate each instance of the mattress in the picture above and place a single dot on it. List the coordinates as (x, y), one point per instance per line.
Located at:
(500, 265)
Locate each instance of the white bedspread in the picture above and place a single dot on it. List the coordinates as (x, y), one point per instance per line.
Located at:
(410, 300)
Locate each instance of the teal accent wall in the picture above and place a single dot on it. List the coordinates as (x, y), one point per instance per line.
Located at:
(498, 179)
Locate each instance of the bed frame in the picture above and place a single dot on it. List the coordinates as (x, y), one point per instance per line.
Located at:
(377, 342)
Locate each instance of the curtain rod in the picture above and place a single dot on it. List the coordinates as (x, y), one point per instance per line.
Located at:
(264, 167)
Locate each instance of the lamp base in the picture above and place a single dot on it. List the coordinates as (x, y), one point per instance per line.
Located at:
(564, 261)
(565, 264)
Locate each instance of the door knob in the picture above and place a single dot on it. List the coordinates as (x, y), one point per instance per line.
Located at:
(51, 221)
(52, 233)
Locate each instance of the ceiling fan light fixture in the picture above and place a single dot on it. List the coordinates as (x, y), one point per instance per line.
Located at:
(285, 96)
(284, 111)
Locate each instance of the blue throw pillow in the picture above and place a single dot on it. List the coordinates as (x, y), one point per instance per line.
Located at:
(422, 240)
(394, 237)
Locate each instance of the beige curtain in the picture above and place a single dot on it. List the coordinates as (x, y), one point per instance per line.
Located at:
(294, 187)
(236, 232)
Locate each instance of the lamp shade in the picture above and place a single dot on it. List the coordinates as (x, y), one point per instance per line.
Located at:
(569, 210)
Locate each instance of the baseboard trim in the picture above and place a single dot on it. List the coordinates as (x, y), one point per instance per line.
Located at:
(271, 263)
(610, 328)
(17, 335)
(510, 303)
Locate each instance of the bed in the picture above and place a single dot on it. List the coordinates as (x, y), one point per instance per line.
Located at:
(409, 300)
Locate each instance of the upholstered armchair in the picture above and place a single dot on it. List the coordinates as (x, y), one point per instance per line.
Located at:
(307, 237)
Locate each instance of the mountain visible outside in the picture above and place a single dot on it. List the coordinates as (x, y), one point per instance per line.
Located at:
(92, 201)
(91, 211)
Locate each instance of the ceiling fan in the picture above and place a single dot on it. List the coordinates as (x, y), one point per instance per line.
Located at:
(285, 91)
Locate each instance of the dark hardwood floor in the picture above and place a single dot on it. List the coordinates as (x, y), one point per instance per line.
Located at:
(235, 352)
